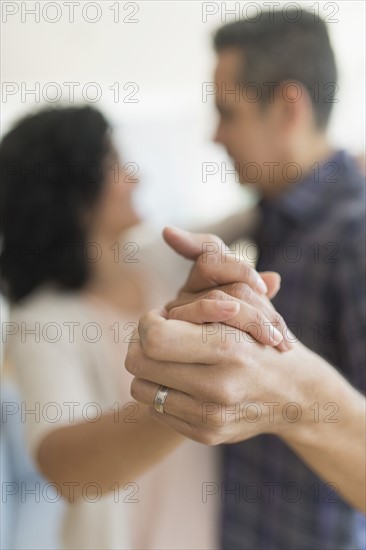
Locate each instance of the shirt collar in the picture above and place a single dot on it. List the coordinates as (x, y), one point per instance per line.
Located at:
(307, 196)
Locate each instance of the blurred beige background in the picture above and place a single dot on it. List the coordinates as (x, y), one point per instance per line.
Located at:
(144, 64)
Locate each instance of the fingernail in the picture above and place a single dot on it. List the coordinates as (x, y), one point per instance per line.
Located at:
(277, 336)
(177, 229)
(288, 345)
(261, 286)
(229, 307)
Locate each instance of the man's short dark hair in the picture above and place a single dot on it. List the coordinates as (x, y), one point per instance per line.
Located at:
(285, 47)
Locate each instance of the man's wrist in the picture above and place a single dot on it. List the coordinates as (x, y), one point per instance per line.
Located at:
(309, 401)
(326, 402)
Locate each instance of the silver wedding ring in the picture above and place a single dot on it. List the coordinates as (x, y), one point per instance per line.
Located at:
(160, 398)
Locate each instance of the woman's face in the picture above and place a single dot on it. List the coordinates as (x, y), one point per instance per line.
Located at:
(114, 211)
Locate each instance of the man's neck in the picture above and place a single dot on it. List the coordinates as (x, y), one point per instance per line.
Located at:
(311, 154)
(316, 153)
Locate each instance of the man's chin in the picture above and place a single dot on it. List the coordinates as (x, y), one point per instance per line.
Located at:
(248, 184)
(253, 188)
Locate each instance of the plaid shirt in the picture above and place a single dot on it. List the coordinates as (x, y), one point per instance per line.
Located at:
(314, 236)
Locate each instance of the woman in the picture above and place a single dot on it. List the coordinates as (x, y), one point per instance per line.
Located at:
(76, 291)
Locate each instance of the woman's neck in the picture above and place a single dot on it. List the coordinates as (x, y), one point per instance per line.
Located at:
(112, 279)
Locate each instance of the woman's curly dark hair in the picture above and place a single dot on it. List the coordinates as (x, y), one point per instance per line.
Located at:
(52, 171)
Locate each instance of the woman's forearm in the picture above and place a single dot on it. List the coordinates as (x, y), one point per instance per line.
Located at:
(109, 452)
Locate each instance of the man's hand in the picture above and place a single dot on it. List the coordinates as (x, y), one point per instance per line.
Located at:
(212, 370)
(224, 288)
(224, 388)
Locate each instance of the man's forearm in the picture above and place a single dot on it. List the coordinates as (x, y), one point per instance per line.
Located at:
(332, 439)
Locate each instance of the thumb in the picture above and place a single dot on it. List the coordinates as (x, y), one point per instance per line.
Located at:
(191, 245)
(273, 282)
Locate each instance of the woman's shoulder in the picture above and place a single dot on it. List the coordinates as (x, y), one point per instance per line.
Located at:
(48, 326)
(48, 302)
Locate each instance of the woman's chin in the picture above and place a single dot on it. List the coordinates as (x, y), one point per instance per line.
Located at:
(133, 219)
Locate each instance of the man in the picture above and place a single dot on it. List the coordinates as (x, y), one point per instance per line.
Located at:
(305, 431)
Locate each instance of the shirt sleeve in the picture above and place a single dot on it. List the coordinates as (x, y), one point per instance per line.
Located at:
(53, 377)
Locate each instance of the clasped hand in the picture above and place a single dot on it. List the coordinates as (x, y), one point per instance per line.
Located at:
(218, 347)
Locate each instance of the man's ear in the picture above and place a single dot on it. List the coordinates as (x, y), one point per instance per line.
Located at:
(292, 103)
(273, 282)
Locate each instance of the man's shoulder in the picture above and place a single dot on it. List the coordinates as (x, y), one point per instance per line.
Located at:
(343, 210)
(235, 226)
(348, 219)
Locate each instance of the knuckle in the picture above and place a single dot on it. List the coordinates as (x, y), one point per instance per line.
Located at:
(216, 294)
(142, 325)
(201, 307)
(176, 313)
(215, 421)
(259, 319)
(211, 240)
(206, 264)
(151, 342)
(245, 270)
(228, 391)
(131, 362)
(243, 292)
(208, 437)
(278, 320)
(237, 353)
(223, 344)
(134, 389)
(171, 305)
